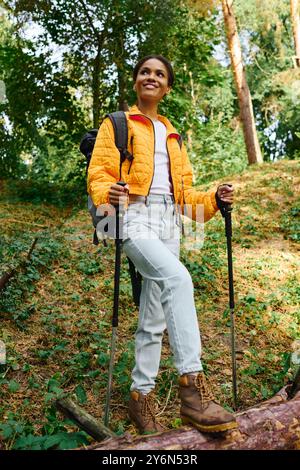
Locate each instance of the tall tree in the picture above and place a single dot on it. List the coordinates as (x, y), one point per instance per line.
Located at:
(243, 92)
(100, 37)
(266, 27)
(295, 18)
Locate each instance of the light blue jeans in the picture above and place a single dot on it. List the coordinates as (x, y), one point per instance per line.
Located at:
(152, 241)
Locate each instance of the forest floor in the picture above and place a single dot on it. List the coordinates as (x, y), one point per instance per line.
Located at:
(55, 313)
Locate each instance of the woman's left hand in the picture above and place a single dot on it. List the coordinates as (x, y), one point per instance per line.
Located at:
(226, 193)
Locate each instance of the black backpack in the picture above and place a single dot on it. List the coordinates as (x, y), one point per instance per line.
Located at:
(119, 122)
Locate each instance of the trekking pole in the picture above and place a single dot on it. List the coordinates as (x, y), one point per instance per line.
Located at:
(115, 319)
(226, 213)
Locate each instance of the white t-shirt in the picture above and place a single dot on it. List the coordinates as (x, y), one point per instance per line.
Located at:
(161, 183)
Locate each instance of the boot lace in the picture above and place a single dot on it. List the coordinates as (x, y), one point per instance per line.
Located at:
(204, 389)
(148, 407)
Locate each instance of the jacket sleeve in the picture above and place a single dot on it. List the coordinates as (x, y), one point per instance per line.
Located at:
(104, 165)
(198, 201)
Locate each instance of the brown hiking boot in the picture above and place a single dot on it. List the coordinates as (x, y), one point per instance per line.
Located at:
(141, 411)
(199, 408)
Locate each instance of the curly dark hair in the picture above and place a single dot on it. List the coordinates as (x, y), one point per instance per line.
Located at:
(162, 59)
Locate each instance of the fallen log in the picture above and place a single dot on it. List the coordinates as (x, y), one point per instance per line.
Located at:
(25, 222)
(9, 274)
(271, 425)
(83, 420)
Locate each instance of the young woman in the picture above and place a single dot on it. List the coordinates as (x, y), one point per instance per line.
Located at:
(158, 180)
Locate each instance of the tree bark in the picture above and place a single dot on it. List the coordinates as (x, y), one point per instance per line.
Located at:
(96, 88)
(243, 92)
(295, 18)
(123, 105)
(120, 27)
(271, 425)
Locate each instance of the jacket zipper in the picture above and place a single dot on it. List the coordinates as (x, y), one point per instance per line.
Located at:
(182, 208)
(176, 208)
(170, 164)
(132, 158)
(154, 153)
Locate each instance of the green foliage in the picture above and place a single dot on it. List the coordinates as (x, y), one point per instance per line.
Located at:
(80, 360)
(265, 28)
(218, 152)
(59, 107)
(12, 298)
(290, 223)
(89, 264)
(167, 378)
(23, 439)
(42, 137)
(123, 368)
(62, 441)
(19, 434)
(45, 117)
(80, 394)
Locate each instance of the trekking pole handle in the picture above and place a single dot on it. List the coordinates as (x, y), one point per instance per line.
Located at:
(225, 209)
(123, 184)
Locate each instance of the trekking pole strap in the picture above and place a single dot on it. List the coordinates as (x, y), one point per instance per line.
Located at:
(136, 282)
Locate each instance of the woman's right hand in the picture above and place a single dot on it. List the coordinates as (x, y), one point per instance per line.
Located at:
(118, 195)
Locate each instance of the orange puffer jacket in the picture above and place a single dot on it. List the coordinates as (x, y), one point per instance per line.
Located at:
(104, 168)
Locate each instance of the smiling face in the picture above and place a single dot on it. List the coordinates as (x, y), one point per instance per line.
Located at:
(152, 81)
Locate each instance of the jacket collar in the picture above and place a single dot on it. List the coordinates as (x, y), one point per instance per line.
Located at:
(134, 111)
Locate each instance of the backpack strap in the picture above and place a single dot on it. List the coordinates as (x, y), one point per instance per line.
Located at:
(119, 122)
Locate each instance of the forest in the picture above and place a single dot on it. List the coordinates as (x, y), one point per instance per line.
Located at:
(236, 102)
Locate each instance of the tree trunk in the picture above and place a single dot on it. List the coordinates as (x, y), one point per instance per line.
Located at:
(295, 18)
(96, 88)
(123, 105)
(120, 64)
(271, 425)
(243, 92)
